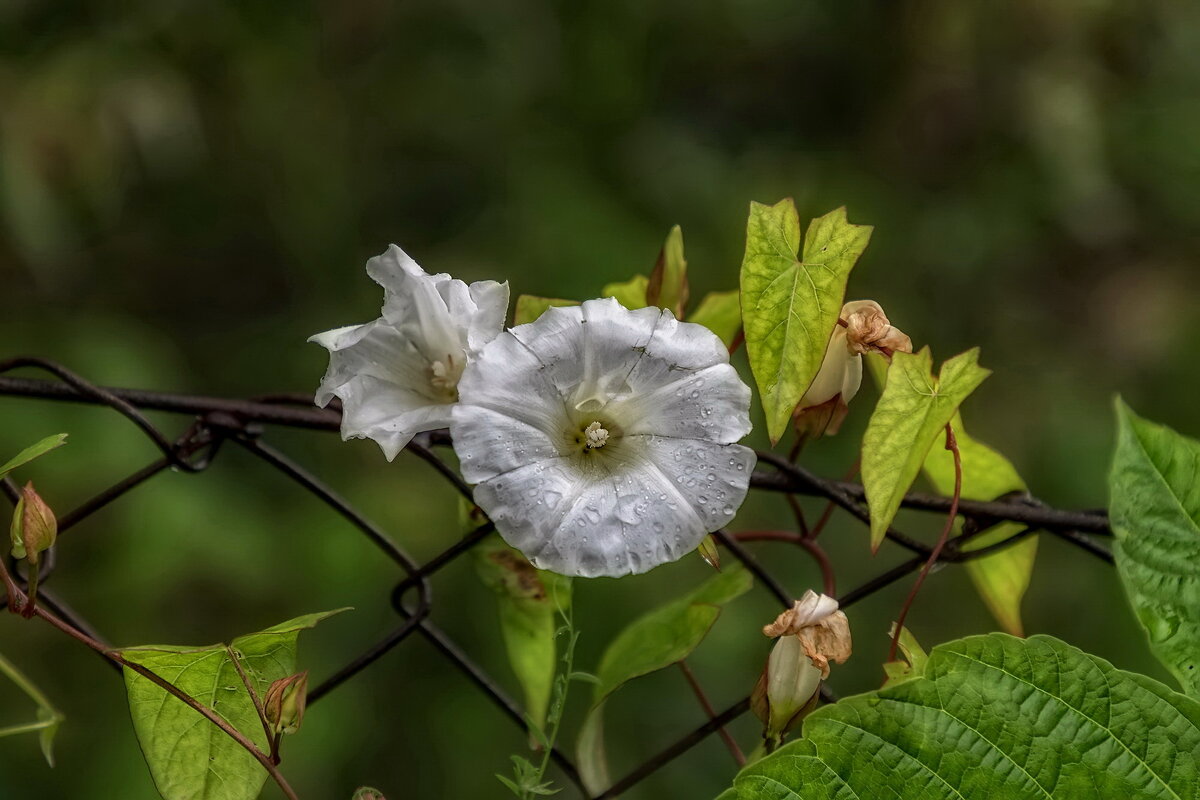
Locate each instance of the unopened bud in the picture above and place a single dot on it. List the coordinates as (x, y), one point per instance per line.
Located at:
(862, 328)
(792, 683)
(367, 793)
(34, 527)
(284, 703)
(811, 634)
(709, 552)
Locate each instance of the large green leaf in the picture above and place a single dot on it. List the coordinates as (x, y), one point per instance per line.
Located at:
(529, 600)
(530, 307)
(995, 717)
(721, 313)
(790, 304)
(189, 757)
(652, 642)
(668, 283)
(1154, 505)
(911, 414)
(33, 451)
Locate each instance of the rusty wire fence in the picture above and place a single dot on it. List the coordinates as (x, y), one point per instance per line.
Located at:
(217, 422)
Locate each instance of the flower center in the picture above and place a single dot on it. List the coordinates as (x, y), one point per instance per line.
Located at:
(444, 375)
(595, 436)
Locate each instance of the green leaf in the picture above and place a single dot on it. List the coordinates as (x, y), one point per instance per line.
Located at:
(652, 642)
(1154, 508)
(668, 284)
(914, 662)
(33, 451)
(994, 717)
(790, 304)
(1003, 577)
(911, 415)
(189, 757)
(631, 293)
(721, 313)
(530, 307)
(528, 600)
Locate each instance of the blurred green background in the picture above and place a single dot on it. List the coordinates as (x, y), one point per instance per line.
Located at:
(188, 190)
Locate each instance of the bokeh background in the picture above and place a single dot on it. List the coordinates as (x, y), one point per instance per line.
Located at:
(188, 190)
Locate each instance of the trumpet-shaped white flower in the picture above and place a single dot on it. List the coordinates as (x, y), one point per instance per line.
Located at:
(602, 440)
(398, 376)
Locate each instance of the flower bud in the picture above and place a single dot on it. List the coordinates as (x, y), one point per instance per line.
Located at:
(825, 403)
(34, 527)
(367, 793)
(709, 552)
(284, 703)
(811, 634)
(789, 685)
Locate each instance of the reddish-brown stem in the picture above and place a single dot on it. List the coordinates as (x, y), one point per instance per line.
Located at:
(827, 512)
(737, 341)
(812, 548)
(258, 706)
(798, 513)
(826, 566)
(734, 750)
(952, 446)
(17, 602)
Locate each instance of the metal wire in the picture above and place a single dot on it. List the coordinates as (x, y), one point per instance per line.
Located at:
(218, 420)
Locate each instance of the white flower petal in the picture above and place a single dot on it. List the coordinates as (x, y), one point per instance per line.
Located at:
(622, 522)
(497, 443)
(507, 377)
(588, 351)
(712, 403)
(712, 477)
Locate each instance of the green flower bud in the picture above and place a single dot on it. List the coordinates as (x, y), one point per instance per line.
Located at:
(367, 793)
(284, 703)
(34, 527)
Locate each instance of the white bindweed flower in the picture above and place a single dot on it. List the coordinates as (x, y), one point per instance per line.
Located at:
(398, 376)
(602, 440)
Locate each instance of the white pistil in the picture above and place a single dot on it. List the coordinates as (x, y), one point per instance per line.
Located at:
(595, 436)
(440, 375)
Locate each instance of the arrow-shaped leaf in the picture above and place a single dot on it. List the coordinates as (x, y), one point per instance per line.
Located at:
(791, 302)
(911, 414)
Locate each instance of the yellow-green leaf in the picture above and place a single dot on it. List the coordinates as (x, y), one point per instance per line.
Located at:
(530, 307)
(630, 293)
(721, 313)
(668, 284)
(529, 600)
(1002, 577)
(911, 414)
(33, 451)
(790, 303)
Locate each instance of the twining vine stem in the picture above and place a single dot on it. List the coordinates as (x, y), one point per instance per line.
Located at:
(952, 446)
